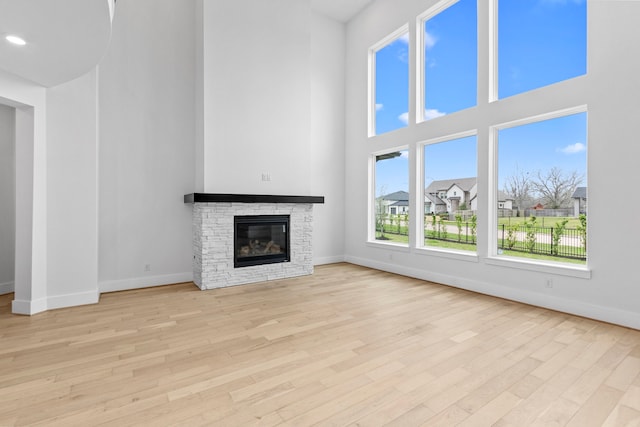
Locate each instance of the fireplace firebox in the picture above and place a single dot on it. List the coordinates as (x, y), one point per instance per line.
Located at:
(260, 239)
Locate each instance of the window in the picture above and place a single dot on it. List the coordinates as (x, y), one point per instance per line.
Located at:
(391, 219)
(449, 45)
(389, 82)
(450, 194)
(542, 180)
(529, 44)
(540, 42)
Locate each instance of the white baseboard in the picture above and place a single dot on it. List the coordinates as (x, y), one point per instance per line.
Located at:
(328, 260)
(144, 282)
(7, 288)
(29, 307)
(52, 302)
(578, 308)
(71, 300)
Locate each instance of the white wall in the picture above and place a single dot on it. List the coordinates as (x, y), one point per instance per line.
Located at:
(72, 206)
(146, 149)
(609, 290)
(7, 198)
(327, 137)
(256, 85)
(273, 103)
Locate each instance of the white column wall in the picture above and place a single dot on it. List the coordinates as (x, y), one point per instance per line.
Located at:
(147, 150)
(72, 206)
(7, 198)
(31, 192)
(327, 137)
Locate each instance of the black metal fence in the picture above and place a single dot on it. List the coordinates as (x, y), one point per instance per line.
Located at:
(554, 241)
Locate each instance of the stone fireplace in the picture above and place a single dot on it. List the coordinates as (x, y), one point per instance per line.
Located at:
(239, 239)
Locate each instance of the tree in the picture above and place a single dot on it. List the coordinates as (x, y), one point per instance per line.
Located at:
(519, 187)
(556, 187)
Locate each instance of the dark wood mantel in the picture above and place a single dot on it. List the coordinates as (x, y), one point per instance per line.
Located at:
(249, 198)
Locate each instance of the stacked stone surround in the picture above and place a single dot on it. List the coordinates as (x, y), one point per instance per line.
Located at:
(213, 243)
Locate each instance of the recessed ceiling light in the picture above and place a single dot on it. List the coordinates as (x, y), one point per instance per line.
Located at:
(16, 40)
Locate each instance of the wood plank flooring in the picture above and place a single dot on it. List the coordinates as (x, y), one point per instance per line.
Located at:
(348, 346)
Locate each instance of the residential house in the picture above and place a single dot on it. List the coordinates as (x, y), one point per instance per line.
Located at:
(579, 201)
(447, 195)
(394, 203)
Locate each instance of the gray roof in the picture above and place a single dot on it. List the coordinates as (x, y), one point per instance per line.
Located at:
(397, 196)
(444, 184)
(502, 196)
(434, 199)
(400, 203)
(580, 193)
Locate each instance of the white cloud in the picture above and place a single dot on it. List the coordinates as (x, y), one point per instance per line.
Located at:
(379, 107)
(404, 38)
(432, 113)
(429, 114)
(578, 147)
(429, 40)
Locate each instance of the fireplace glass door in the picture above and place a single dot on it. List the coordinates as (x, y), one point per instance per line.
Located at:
(261, 239)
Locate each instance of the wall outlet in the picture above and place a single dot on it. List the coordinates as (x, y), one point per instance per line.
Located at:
(147, 267)
(548, 283)
(266, 176)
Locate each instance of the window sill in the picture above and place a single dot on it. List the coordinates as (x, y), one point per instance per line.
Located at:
(402, 247)
(581, 272)
(451, 254)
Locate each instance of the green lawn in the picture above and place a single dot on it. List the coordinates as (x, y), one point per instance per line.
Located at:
(543, 221)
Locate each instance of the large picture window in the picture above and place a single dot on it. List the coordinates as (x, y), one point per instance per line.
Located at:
(542, 177)
(495, 178)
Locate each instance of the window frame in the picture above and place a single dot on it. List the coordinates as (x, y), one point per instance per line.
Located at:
(420, 177)
(553, 267)
(371, 223)
(371, 101)
(421, 20)
(493, 83)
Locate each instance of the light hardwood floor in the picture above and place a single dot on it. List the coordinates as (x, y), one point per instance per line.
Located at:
(346, 346)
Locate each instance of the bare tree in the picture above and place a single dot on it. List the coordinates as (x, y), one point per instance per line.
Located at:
(556, 187)
(519, 186)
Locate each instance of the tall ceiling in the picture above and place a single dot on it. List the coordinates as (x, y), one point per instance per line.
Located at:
(67, 38)
(340, 10)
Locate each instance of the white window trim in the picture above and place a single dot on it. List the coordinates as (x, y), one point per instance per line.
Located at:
(493, 50)
(492, 244)
(549, 267)
(372, 75)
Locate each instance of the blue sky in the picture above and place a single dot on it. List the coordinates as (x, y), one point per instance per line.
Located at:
(540, 42)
